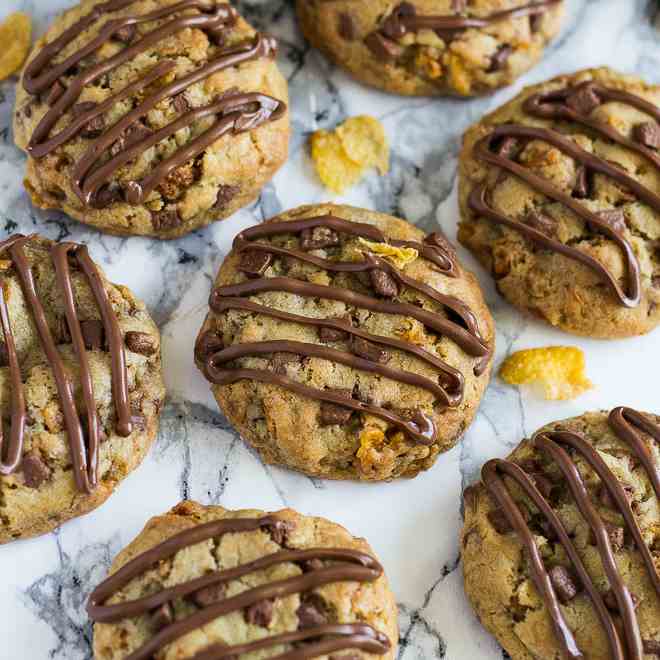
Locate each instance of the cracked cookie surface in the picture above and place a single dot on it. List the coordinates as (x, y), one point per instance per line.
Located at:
(330, 587)
(151, 117)
(560, 200)
(432, 47)
(344, 344)
(596, 565)
(54, 467)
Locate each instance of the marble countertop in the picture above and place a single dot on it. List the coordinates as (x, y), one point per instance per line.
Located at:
(413, 525)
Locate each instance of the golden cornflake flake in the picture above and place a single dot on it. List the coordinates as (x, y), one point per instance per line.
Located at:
(15, 37)
(398, 256)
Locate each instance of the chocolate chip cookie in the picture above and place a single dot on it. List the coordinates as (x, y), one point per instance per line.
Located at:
(561, 544)
(343, 343)
(203, 582)
(80, 384)
(432, 47)
(151, 118)
(560, 200)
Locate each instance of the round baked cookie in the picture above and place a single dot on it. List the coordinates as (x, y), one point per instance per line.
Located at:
(80, 384)
(342, 343)
(432, 47)
(151, 117)
(560, 200)
(561, 544)
(203, 582)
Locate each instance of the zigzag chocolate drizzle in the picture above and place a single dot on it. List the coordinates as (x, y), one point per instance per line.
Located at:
(235, 112)
(553, 105)
(84, 453)
(626, 423)
(347, 565)
(464, 331)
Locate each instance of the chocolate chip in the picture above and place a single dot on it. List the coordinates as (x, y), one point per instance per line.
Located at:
(616, 535)
(254, 262)
(331, 413)
(318, 237)
(140, 342)
(499, 521)
(209, 595)
(93, 334)
(332, 334)
(281, 360)
(311, 612)
(499, 59)
(651, 646)
(167, 218)
(648, 134)
(543, 484)
(125, 34)
(615, 218)
(383, 283)
(95, 126)
(612, 604)
(582, 187)
(368, 350)
(35, 471)
(542, 222)
(583, 100)
(279, 531)
(383, 48)
(135, 133)
(346, 26)
(208, 344)
(4, 355)
(106, 195)
(161, 617)
(225, 194)
(606, 499)
(564, 584)
(311, 565)
(260, 613)
(56, 91)
(180, 103)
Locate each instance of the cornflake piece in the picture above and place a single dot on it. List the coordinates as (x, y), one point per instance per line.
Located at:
(15, 36)
(560, 369)
(343, 155)
(399, 257)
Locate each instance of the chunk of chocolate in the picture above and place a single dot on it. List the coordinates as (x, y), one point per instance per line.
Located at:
(368, 350)
(140, 342)
(331, 413)
(279, 531)
(161, 617)
(260, 613)
(564, 584)
(499, 521)
(332, 334)
(166, 218)
(180, 103)
(615, 533)
(651, 646)
(582, 187)
(254, 263)
(93, 334)
(607, 500)
(125, 34)
(135, 133)
(318, 237)
(346, 26)
(95, 126)
(583, 100)
(383, 283)
(613, 605)
(35, 470)
(648, 134)
(225, 194)
(542, 222)
(614, 218)
(107, 195)
(311, 565)
(209, 595)
(499, 59)
(383, 48)
(311, 612)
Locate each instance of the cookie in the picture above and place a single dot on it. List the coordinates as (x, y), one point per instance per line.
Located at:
(342, 343)
(80, 384)
(151, 118)
(204, 582)
(561, 544)
(432, 47)
(560, 201)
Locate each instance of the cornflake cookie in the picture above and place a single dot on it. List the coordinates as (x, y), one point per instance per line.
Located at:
(80, 384)
(342, 343)
(561, 544)
(202, 582)
(432, 47)
(151, 118)
(560, 200)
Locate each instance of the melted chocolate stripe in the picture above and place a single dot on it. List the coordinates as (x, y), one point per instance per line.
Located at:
(462, 337)
(353, 566)
(455, 386)
(547, 444)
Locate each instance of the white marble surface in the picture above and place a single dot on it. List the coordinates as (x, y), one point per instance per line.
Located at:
(413, 525)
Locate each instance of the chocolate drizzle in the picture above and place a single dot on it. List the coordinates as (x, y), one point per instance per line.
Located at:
(84, 446)
(561, 105)
(234, 111)
(404, 19)
(459, 324)
(559, 445)
(345, 565)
